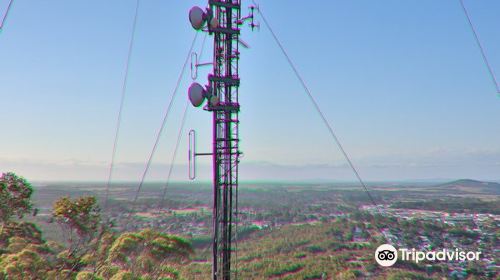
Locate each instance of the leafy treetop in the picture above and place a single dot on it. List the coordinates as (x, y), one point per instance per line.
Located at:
(15, 196)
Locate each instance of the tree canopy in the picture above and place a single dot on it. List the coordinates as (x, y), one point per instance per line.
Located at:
(15, 196)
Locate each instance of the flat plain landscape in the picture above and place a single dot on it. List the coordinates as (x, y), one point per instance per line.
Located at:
(311, 230)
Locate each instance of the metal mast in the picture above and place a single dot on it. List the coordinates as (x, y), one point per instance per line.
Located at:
(225, 107)
(222, 18)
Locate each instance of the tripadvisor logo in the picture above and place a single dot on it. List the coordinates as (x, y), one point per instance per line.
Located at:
(387, 255)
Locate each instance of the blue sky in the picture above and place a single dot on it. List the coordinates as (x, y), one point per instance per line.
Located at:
(402, 82)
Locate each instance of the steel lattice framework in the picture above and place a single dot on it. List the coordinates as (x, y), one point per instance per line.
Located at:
(224, 82)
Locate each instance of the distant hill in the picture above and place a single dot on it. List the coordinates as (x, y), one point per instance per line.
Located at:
(470, 186)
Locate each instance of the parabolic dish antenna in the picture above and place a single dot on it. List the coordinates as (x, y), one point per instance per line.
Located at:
(196, 94)
(197, 17)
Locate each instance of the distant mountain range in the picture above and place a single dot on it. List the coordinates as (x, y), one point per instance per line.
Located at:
(470, 186)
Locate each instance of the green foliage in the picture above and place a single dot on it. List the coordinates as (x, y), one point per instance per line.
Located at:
(86, 275)
(81, 214)
(123, 275)
(24, 252)
(15, 196)
(24, 230)
(279, 269)
(314, 275)
(315, 249)
(27, 264)
(300, 255)
(94, 252)
(146, 252)
(25, 255)
(79, 219)
(108, 270)
(152, 243)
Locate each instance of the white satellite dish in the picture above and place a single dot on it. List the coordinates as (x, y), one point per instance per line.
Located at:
(197, 17)
(196, 94)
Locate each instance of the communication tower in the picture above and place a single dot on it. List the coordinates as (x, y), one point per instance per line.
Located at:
(222, 19)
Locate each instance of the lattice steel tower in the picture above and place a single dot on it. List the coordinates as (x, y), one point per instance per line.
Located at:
(221, 19)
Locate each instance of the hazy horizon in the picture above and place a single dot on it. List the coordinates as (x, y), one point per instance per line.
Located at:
(409, 101)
